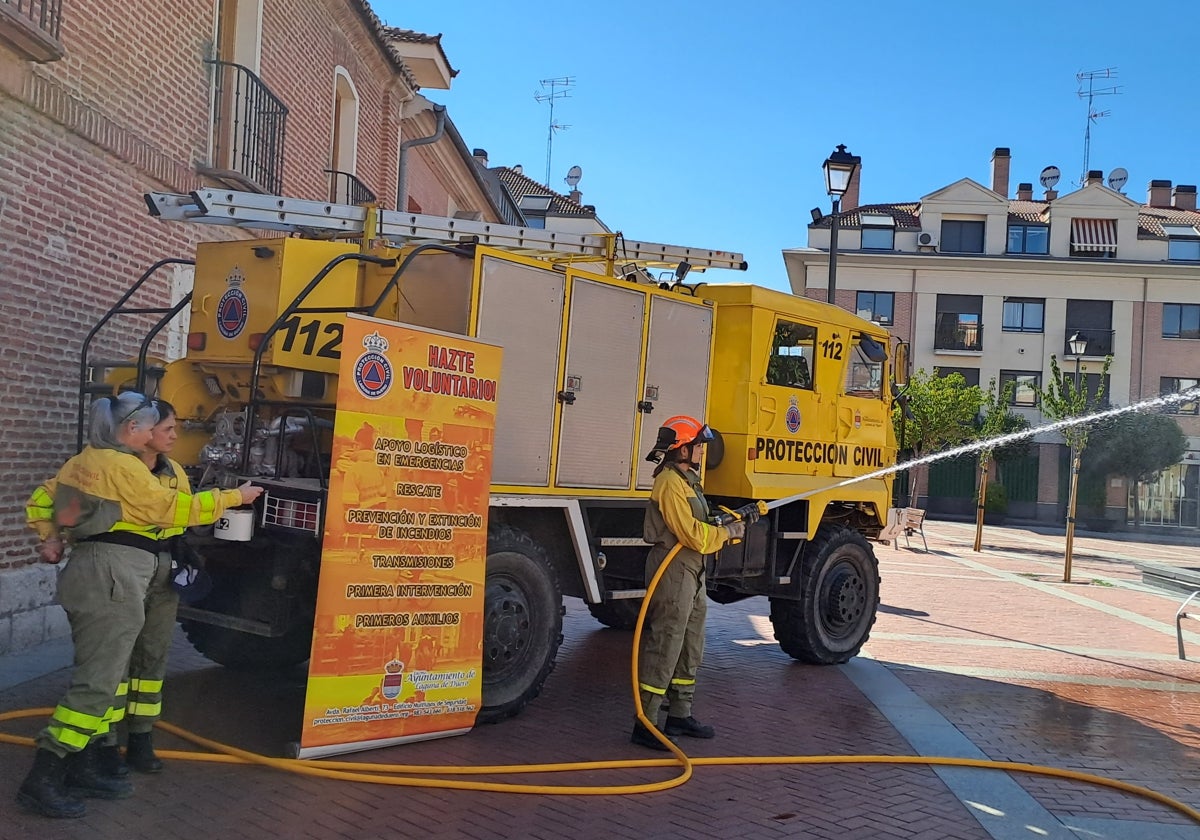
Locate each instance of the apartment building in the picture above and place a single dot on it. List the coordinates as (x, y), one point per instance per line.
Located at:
(991, 285)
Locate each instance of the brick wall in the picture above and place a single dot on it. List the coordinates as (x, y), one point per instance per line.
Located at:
(126, 111)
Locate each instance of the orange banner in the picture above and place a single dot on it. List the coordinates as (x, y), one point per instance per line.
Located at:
(398, 638)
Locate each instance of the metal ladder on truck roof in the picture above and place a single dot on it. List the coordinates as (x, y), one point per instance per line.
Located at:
(296, 215)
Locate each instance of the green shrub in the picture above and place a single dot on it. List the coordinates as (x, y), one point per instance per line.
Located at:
(997, 499)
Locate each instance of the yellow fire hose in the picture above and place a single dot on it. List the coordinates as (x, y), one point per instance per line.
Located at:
(402, 774)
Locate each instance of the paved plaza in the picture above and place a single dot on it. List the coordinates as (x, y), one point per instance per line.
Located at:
(984, 655)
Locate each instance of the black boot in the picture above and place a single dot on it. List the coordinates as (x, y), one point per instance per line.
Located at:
(643, 737)
(690, 727)
(43, 791)
(110, 762)
(139, 753)
(84, 777)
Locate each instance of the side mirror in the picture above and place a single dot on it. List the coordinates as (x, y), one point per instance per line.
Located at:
(900, 364)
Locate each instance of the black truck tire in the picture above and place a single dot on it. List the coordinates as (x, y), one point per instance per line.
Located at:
(619, 613)
(248, 651)
(838, 602)
(522, 623)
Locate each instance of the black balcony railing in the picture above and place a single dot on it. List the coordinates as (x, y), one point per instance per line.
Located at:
(249, 122)
(954, 332)
(1099, 342)
(345, 188)
(46, 15)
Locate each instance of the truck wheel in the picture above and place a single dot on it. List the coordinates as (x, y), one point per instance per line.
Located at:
(619, 613)
(247, 651)
(522, 623)
(839, 598)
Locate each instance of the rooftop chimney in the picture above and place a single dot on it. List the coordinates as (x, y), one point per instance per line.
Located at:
(480, 156)
(1094, 176)
(1025, 192)
(575, 195)
(1051, 195)
(1159, 194)
(850, 199)
(1000, 162)
(1185, 197)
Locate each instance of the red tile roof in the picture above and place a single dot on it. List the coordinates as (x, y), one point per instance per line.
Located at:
(384, 35)
(908, 215)
(519, 184)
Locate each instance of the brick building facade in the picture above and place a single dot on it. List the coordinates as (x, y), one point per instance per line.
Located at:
(96, 109)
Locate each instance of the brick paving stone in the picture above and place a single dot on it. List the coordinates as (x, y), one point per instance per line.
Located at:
(1028, 668)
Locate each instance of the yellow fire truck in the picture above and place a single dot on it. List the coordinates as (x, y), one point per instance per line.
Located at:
(598, 351)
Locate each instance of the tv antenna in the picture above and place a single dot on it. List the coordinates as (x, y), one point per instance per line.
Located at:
(1089, 78)
(553, 90)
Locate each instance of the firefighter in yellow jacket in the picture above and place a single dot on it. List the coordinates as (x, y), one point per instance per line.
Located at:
(112, 509)
(673, 636)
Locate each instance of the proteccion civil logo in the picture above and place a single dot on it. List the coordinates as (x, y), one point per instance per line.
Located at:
(372, 371)
(233, 310)
(792, 417)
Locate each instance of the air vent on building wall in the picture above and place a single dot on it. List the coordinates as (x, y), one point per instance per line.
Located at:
(927, 240)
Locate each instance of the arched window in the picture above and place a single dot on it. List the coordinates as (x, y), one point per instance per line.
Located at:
(344, 153)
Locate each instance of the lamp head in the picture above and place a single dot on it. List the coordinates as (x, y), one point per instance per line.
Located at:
(1078, 344)
(839, 169)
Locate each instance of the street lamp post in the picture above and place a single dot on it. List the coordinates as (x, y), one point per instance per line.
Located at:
(1078, 346)
(839, 170)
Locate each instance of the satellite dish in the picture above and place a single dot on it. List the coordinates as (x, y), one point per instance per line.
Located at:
(1050, 176)
(1117, 178)
(519, 169)
(573, 176)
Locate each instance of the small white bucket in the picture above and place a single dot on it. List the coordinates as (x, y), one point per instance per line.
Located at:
(235, 525)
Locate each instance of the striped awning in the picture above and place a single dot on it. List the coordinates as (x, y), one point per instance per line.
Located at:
(1094, 235)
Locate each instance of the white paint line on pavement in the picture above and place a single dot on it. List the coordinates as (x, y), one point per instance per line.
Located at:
(1011, 675)
(1099, 653)
(1058, 591)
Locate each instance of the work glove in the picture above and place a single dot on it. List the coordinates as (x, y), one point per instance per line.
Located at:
(736, 530)
(749, 513)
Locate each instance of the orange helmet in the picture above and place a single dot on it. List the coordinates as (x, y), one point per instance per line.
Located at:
(678, 431)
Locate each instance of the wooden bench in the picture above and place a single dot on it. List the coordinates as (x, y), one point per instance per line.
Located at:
(906, 521)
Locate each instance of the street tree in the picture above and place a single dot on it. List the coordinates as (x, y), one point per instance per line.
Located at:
(940, 414)
(995, 419)
(1137, 447)
(1067, 397)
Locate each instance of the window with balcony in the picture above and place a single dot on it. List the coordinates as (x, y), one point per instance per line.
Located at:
(958, 325)
(1091, 320)
(969, 375)
(1183, 243)
(961, 237)
(1177, 385)
(1091, 383)
(878, 232)
(1094, 238)
(1181, 320)
(792, 355)
(1024, 314)
(344, 185)
(1028, 239)
(31, 28)
(248, 119)
(1025, 390)
(876, 306)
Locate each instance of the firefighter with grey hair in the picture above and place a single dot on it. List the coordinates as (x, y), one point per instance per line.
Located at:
(111, 509)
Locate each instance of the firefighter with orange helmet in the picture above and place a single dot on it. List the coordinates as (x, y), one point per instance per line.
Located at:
(672, 642)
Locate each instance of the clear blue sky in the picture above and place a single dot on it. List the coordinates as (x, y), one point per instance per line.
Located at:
(705, 124)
